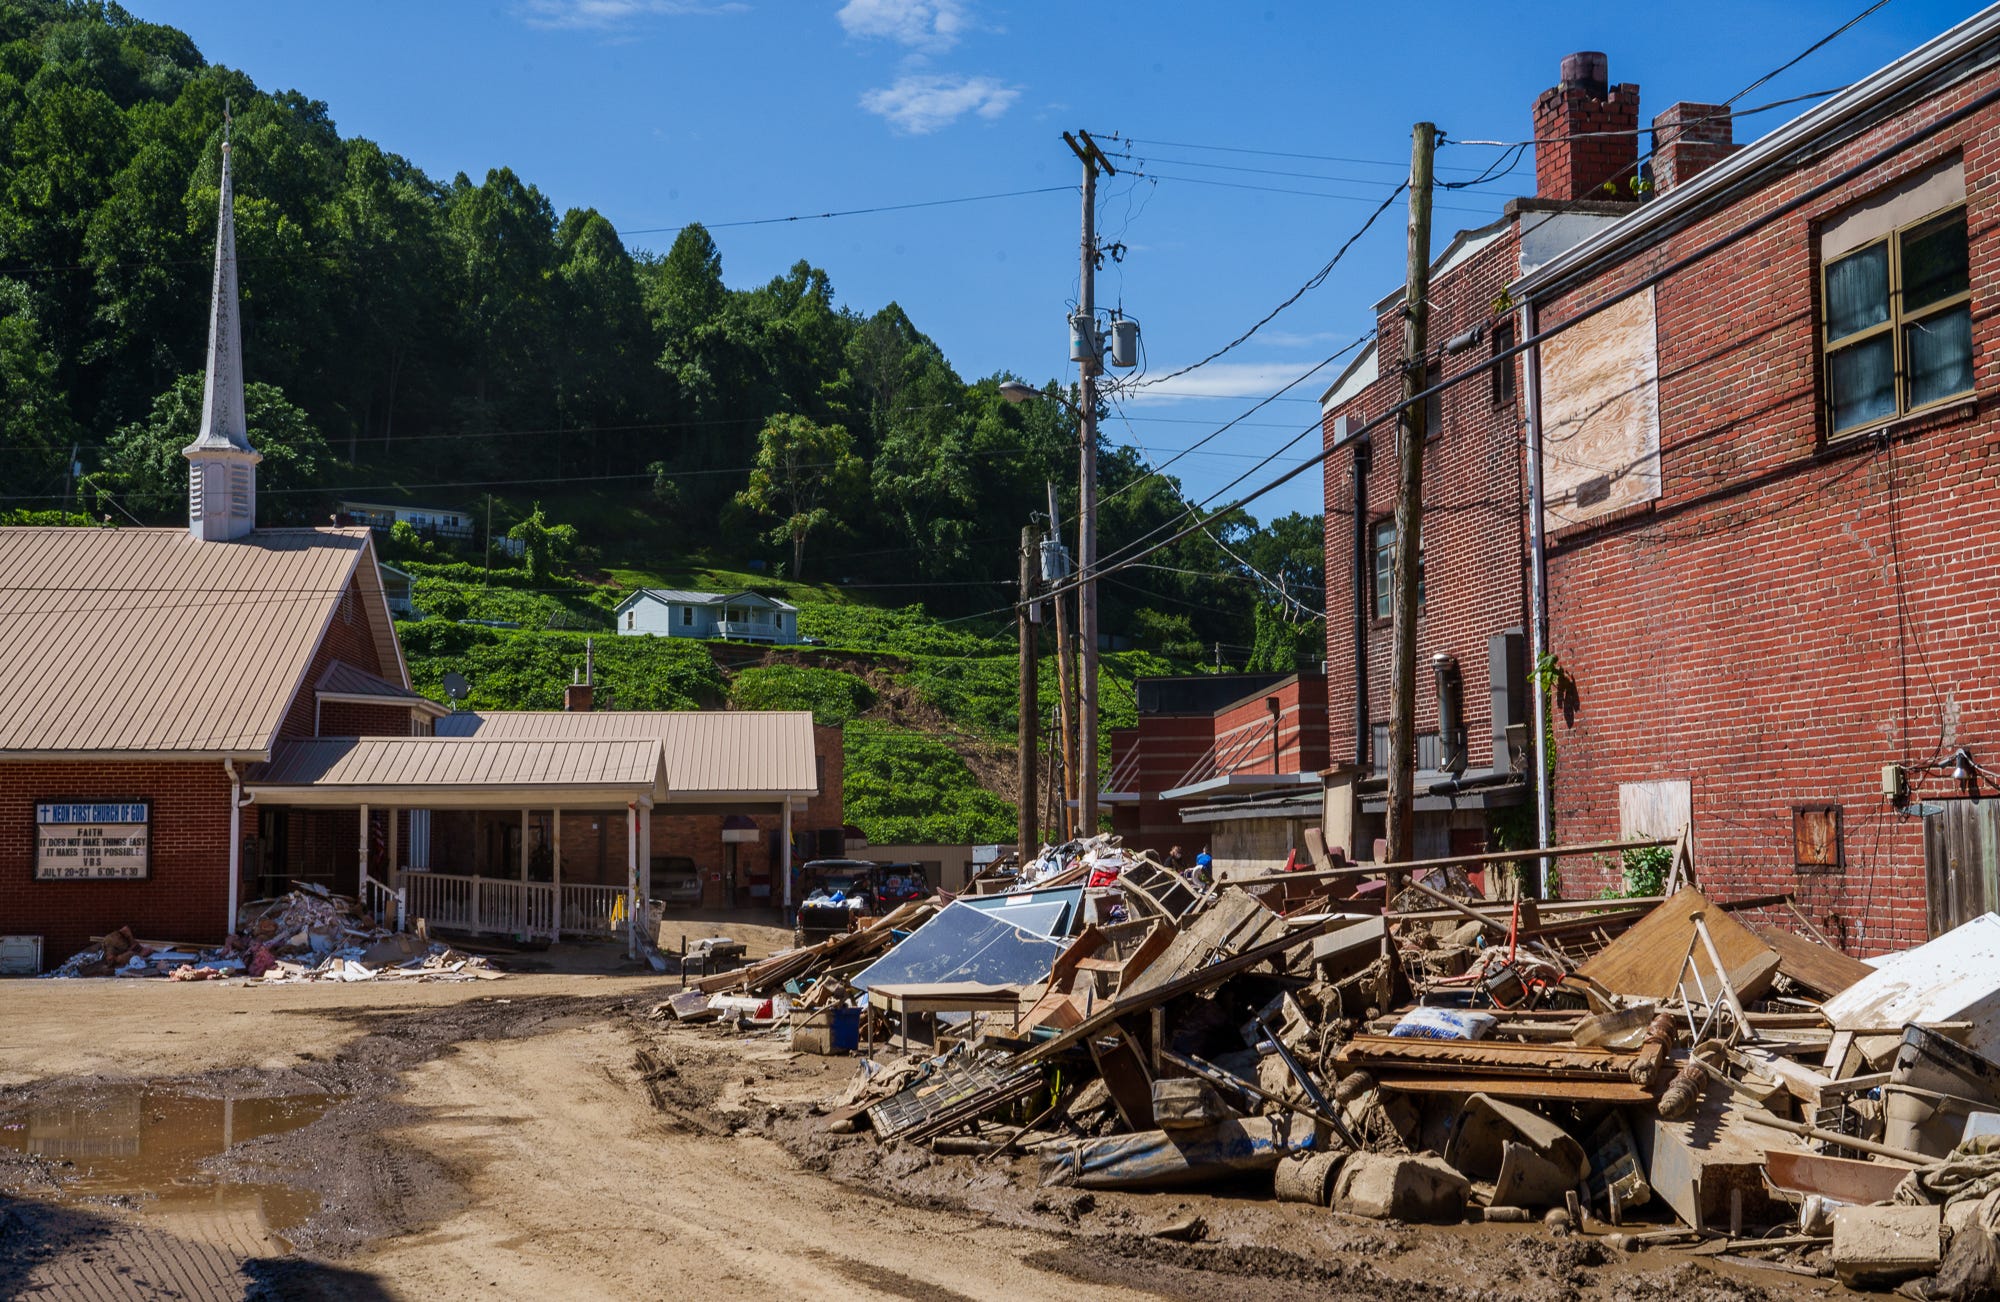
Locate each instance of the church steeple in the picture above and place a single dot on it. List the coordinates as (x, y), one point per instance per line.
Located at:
(222, 466)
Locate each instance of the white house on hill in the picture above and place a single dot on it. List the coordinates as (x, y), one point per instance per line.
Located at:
(737, 616)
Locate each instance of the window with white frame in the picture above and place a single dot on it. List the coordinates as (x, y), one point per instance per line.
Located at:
(1896, 296)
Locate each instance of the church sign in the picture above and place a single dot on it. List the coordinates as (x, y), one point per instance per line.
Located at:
(92, 841)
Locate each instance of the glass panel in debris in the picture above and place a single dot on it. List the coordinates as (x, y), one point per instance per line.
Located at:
(964, 944)
(1040, 913)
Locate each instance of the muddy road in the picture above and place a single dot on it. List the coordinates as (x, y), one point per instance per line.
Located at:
(541, 1137)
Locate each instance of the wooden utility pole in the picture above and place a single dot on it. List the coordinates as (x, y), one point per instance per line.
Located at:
(1090, 360)
(1027, 832)
(1065, 672)
(1409, 513)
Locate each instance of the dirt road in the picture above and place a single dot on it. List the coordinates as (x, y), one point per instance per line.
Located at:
(501, 1140)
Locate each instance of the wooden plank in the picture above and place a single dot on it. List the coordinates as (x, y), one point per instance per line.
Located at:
(1820, 969)
(1502, 1057)
(1606, 1090)
(1647, 960)
(1234, 923)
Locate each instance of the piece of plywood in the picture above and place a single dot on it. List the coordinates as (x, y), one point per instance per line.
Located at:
(1601, 414)
(1646, 961)
(1821, 970)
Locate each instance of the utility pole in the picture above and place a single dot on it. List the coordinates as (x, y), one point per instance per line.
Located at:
(1090, 359)
(1027, 832)
(1409, 513)
(1065, 672)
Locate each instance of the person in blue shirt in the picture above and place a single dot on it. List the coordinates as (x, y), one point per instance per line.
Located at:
(1204, 869)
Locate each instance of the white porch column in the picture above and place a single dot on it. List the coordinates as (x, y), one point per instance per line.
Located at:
(646, 858)
(632, 879)
(524, 845)
(361, 855)
(555, 864)
(785, 856)
(395, 851)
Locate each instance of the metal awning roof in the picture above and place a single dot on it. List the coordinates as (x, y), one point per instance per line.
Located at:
(453, 772)
(718, 755)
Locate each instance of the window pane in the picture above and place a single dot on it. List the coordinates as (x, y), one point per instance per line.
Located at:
(1934, 261)
(1939, 348)
(1857, 292)
(1385, 559)
(1863, 381)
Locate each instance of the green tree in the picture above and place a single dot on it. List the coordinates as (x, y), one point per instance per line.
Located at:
(150, 476)
(36, 429)
(802, 470)
(543, 545)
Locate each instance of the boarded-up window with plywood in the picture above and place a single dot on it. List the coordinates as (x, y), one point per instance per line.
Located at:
(1601, 414)
(1816, 838)
(1656, 810)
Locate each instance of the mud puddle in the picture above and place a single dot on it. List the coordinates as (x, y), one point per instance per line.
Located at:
(145, 1150)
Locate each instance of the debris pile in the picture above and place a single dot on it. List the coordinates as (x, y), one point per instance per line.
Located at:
(309, 934)
(1672, 1070)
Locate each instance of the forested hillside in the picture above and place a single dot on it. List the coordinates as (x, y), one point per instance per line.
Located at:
(443, 340)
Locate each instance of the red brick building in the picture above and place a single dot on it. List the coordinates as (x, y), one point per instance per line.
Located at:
(1770, 473)
(1473, 611)
(1242, 748)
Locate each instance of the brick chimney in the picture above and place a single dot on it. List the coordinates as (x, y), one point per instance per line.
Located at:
(577, 697)
(1571, 161)
(1688, 139)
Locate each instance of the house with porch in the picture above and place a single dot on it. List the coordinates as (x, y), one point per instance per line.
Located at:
(194, 716)
(733, 616)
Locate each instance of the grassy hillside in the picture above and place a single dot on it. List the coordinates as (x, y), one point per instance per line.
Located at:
(929, 706)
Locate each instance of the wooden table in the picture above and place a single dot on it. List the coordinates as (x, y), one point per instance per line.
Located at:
(906, 1001)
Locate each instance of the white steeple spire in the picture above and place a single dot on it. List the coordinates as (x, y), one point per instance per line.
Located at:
(222, 466)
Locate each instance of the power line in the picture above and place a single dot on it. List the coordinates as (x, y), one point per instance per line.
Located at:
(1155, 470)
(1404, 164)
(849, 212)
(1313, 282)
(1276, 189)
(1644, 284)
(1810, 49)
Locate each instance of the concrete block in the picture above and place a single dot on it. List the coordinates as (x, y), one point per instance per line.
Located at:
(1880, 1246)
(1422, 1189)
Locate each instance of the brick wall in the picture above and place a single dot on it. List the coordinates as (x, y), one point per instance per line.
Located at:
(1473, 540)
(347, 638)
(186, 897)
(1789, 617)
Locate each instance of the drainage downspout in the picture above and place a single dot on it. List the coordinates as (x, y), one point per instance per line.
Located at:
(1538, 592)
(236, 803)
(1364, 733)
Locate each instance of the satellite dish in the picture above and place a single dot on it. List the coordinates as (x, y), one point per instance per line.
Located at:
(456, 687)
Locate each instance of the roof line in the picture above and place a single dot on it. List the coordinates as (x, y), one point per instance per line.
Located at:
(1742, 170)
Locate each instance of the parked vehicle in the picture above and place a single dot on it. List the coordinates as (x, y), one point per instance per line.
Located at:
(836, 893)
(676, 881)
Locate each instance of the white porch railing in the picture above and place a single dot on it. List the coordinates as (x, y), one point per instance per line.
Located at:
(588, 909)
(499, 906)
(379, 902)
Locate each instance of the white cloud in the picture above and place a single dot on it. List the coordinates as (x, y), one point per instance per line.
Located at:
(920, 104)
(929, 25)
(605, 14)
(1237, 381)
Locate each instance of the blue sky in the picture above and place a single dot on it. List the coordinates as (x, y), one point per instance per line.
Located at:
(661, 112)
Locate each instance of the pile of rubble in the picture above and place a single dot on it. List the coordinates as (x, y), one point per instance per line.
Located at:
(1665, 1071)
(309, 934)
